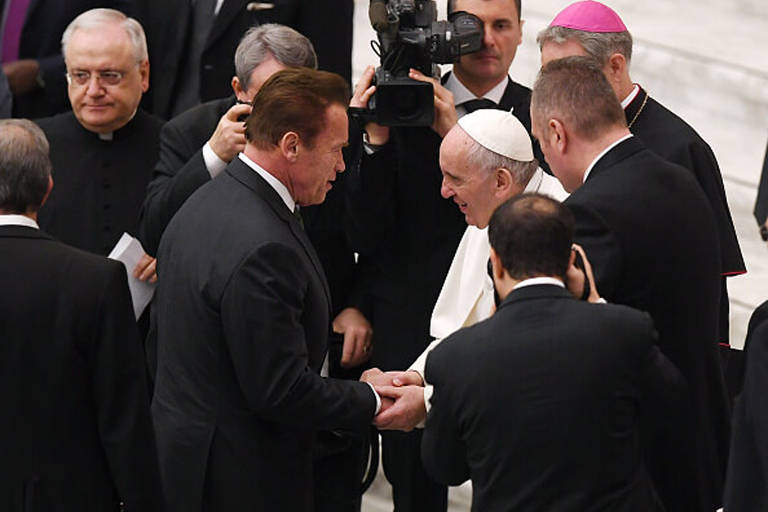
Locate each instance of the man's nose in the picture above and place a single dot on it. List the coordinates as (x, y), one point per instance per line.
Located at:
(445, 190)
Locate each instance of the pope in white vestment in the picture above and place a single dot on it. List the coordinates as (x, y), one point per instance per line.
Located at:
(467, 294)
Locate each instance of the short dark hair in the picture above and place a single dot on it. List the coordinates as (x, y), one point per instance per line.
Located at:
(518, 6)
(532, 234)
(294, 99)
(575, 90)
(25, 168)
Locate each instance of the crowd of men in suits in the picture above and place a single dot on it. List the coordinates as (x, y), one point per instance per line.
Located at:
(530, 293)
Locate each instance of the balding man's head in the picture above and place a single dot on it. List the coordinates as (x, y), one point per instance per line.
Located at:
(25, 169)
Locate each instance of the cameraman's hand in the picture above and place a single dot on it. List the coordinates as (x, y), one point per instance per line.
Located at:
(575, 277)
(229, 138)
(377, 134)
(445, 111)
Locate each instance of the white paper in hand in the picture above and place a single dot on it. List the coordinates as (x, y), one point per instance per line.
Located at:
(129, 251)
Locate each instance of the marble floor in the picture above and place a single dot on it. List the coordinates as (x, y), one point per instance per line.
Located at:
(706, 61)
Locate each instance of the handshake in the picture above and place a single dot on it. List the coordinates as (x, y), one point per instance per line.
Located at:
(402, 398)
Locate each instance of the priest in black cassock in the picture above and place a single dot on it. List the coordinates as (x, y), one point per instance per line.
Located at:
(103, 151)
(573, 32)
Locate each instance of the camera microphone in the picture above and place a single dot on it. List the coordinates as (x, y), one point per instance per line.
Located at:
(377, 12)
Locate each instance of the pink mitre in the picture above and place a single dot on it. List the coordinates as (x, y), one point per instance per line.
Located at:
(589, 16)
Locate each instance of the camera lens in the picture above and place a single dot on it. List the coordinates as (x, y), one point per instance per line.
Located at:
(407, 103)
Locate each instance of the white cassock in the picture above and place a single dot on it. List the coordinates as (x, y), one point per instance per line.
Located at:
(467, 294)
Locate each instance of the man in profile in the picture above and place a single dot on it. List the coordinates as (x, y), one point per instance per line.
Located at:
(547, 410)
(649, 232)
(243, 314)
(486, 159)
(75, 430)
(593, 29)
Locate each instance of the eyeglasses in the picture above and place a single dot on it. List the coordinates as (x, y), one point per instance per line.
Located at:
(108, 78)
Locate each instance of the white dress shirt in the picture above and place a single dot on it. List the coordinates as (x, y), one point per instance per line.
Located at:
(18, 220)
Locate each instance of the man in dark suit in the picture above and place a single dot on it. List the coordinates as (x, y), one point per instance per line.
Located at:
(31, 50)
(75, 430)
(649, 231)
(193, 63)
(746, 486)
(243, 314)
(406, 233)
(593, 29)
(543, 404)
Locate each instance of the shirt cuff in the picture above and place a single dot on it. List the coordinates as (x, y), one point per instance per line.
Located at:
(378, 399)
(213, 163)
(601, 301)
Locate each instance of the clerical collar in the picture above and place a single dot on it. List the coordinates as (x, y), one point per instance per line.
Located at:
(461, 94)
(602, 154)
(539, 280)
(110, 136)
(18, 220)
(630, 97)
(276, 184)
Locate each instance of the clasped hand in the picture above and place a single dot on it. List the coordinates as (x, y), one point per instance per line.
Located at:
(402, 398)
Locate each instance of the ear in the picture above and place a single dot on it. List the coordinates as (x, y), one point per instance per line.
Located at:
(48, 191)
(558, 135)
(289, 146)
(498, 268)
(504, 184)
(144, 72)
(615, 68)
(238, 89)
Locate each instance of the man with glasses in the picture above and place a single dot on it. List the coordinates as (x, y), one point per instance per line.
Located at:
(103, 150)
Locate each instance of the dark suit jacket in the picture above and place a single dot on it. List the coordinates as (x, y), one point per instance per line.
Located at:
(541, 405)
(649, 233)
(181, 170)
(41, 40)
(243, 317)
(327, 24)
(747, 483)
(406, 233)
(75, 430)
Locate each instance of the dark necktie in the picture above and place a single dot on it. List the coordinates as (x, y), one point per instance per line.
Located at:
(472, 105)
(297, 214)
(14, 22)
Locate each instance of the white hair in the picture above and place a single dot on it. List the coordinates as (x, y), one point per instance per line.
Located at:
(97, 18)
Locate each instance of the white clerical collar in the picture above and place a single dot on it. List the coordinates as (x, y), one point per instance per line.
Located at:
(276, 184)
(631, 97)
(109, 136)
(539, 280)
(18, 220)
(461, 94)
(602, 154)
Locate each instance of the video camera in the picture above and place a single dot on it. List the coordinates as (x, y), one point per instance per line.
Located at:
(409, 36)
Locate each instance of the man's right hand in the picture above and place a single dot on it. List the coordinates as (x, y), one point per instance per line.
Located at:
(377, 134)
(229, 138)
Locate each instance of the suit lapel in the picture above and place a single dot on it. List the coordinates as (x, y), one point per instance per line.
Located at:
(230, 10)
(245, 175)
